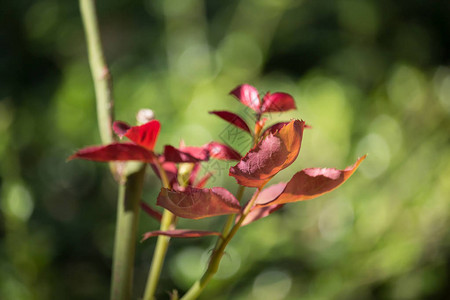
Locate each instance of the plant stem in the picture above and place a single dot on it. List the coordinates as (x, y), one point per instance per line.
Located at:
(100, 71)
(216, 257)
(161, 245)
(130, 191)
(130, 188)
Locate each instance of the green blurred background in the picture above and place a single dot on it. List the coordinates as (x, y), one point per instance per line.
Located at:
(369, 76)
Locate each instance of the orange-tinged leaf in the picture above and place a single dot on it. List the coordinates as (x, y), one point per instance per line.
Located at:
(194, 203)
(272, 154)
(311, 183)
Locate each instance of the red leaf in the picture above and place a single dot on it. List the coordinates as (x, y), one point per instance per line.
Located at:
(115, 152)
(169, 167)
(196, 203)
(145, 135)
(277, 102)
(180, 233)
(265, 195)
(151, 212)
(311, 183)
(248, 96)
(186, 154)
(232, 118)
(120, 128)
(223, 152)
(202, 182)
(260, 212)
(272, 154)
(274, 128)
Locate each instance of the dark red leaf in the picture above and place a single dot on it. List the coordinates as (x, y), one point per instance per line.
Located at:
(272, 154)
(180, 233)
(232, 118)
(196, 203)
(145, 135)
(222, 152)
(115, 152)
(186, 154)
(120, 128)
(151, 212)
(277, 102)
(311, 183)
(248, 96)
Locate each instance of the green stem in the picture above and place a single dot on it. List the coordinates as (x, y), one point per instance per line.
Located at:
(130, 188)
(100, 71)
(161, 245)
(130, 191)
(217, 255)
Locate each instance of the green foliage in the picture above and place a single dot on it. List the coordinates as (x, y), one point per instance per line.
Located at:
(370, 77)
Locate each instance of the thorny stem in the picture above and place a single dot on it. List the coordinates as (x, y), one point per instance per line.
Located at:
(216, 257)
(130, 188)
(161, 245)
(100, 71)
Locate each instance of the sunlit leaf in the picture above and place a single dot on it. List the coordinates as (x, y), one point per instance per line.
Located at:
(115, 152)
(248, 95)
(277, 102)
(272, 154)
(311, 183)
(194, 203)
(144, 135)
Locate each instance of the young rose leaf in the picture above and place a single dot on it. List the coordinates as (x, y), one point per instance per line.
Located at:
(194, 203)
(151, 212)
(180, 233)
(186, 154)
(222, 152)
(232, 118)
(272, 154)
(259, 212)
(115, 152)
(248, 96)
(144, 135)
(277, 102)
(121, 128)
(311, 183)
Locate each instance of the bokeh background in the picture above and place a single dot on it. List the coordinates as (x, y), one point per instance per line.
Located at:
(369, 76)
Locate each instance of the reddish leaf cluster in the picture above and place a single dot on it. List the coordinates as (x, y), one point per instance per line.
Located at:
(275, 148)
